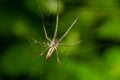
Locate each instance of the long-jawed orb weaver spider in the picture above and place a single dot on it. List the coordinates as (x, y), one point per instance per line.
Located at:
(54, 43)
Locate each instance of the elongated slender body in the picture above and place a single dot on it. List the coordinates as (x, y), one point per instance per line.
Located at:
(50, 51)
(53, 45)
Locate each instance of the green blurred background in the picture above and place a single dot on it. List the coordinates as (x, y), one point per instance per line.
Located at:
(97, 57)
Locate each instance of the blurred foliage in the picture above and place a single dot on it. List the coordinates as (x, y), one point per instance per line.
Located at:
(97, 57)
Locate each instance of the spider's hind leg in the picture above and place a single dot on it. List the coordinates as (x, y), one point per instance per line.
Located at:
(58, 60)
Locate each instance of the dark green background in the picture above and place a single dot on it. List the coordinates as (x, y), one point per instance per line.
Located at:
(97, 57)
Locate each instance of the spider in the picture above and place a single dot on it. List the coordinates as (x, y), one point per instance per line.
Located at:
(54, 42)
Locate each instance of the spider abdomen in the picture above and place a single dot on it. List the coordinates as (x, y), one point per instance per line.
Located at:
(50, 51)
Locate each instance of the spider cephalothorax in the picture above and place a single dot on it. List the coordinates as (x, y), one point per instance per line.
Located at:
(54, 43)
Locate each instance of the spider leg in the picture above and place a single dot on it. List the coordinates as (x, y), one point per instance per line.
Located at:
(58, 60)
(43, 23)
(38, 42)
(44, 51)
(46, 34)
(69, 29)
(57, 20)
(72, 44)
